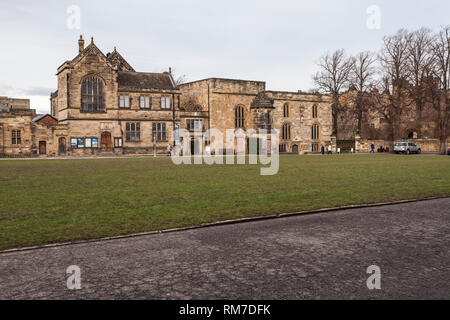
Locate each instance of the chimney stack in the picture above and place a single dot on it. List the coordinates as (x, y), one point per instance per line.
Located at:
(80, 44)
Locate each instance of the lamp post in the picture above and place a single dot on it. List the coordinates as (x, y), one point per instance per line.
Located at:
(154, 144)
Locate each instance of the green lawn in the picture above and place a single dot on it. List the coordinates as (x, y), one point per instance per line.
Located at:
(45, 201)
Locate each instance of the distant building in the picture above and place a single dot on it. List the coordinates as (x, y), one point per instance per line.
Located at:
(16, 126)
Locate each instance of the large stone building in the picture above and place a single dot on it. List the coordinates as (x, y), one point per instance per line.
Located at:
(302, 120)
(103, 106)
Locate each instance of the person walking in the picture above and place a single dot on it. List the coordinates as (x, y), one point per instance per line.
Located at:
(329, 149)
(322, 149)
(338, 150)
(372, 148)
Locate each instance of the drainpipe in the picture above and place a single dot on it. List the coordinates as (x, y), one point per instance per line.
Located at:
(3, 144)
(209, 113)
(173, 116)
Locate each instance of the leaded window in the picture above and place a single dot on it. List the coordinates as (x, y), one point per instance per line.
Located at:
(92, 95)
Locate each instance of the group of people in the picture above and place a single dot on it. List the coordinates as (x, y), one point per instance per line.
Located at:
(329, 150)
(380, 149)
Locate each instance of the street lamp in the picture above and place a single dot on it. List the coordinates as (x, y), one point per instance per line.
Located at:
(154, 144)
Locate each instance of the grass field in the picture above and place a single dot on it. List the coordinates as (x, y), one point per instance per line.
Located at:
(45, 201)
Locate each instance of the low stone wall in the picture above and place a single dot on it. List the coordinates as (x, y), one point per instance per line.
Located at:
(426, 145)
(363, 146)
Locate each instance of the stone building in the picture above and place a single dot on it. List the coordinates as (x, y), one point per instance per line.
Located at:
(22, 131)
(303, 120)
(103, 106)
(108, 107)
(16, 126)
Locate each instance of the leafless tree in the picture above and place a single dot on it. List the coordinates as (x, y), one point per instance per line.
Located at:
(362, 77)
(333, 79)
(419, 65)
(394, 71)
(439, 91)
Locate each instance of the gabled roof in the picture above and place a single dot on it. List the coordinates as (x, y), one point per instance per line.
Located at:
(91, 49)
(118, 61)
(141, 80)
(262, 101)
(39, 117)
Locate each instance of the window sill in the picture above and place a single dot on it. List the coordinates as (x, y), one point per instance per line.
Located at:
(82, 111)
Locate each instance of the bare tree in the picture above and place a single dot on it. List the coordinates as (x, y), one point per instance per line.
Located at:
(394, 70)
(333, 79)
(178, 79)
(440, 90)
(419, 64)
(362, 77)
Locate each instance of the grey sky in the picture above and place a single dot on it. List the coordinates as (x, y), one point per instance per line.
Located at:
(274, 41)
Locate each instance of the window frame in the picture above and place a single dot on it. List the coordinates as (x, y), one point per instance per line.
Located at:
(239, 117)
(286, 110)
(286, 132)
(124, 100)
(165, 103)
(92, 95)
(315, 132)
(133, 132)
(159, 132)
(146, 100)
(16, 137)
(194, 124)
(315, 111)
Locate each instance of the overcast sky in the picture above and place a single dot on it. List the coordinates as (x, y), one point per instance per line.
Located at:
(275, 41)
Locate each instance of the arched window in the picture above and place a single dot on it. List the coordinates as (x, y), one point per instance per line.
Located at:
(286, 110)
(315, 132)
(92, 95)
(286, 132)
(314, 111)
(239, 117)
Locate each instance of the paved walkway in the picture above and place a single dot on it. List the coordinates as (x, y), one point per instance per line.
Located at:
(306, 257)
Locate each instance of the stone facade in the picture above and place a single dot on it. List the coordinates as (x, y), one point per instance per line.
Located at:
(118, 122)
(103, 106)
(16, 126)
(220, 99)
(22, 132)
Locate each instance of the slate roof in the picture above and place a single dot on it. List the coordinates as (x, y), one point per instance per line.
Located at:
(118, 61)
(42, 116)
(141, 80)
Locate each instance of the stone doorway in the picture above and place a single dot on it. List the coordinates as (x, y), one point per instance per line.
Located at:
(42, 147)
(106, 142)
(195, 147)
(62, 146)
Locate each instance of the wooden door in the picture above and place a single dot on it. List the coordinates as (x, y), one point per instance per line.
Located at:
(106, 143)
(42, 147)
